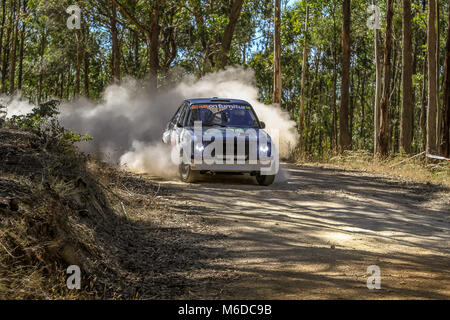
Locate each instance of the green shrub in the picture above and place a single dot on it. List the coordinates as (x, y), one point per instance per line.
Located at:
(43, 120)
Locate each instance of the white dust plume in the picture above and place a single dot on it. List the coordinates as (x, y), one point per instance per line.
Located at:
(15, 106)
(128, 123)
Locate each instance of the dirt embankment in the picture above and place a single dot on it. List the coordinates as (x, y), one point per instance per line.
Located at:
(58, 208)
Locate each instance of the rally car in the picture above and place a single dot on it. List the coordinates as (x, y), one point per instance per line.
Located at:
(221, 136)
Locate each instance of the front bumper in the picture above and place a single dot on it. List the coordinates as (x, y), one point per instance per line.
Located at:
(235, 167)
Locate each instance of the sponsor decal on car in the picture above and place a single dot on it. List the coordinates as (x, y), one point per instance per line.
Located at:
(216, 108)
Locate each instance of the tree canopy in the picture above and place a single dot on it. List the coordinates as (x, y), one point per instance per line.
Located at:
(162, 41)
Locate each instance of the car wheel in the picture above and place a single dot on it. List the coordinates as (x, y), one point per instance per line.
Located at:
(265, 180)
(186, 173)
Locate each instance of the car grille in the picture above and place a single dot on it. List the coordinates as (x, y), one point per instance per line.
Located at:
(235, 154)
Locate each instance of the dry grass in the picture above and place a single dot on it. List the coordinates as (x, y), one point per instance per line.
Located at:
(418, 169)
(37, 239)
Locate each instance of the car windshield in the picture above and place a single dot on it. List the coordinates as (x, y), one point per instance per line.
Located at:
(223, 115)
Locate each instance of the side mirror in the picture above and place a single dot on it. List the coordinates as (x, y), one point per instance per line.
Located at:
(262, 125)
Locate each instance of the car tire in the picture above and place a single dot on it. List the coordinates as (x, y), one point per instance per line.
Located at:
(186, 173)
(265, 180)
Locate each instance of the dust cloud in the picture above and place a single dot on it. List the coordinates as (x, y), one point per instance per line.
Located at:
(127, 126)
(15, 106)
(128, 123)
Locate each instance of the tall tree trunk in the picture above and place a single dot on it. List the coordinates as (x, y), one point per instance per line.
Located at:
(233, 15)
(86, 75)
(22, 43)
(42, 68)
(277, 86)
(378, 92)
(352, 98)
(362, 134)
(432, 85)
(407, 112)
(303, 85)
(86, 62)
(198, 12)
(424, 97)
(345, 138)
(12, 69)
(335, 78)
(6, 51)
(396, 101)
(423, 110)
(335, 116)
(169, 44)
(78, 66)
(445, 129)
(385, 101)
(115, 46)
(136, 45)
(153, 39)
(438, 79)
(61, 87)
(2, 28)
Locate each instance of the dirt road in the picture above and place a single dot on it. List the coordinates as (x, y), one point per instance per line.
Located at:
(313, 234)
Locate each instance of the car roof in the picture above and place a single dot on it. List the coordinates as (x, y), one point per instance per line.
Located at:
(216, 100)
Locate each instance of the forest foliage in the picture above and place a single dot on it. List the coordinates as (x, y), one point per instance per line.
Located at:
(161, 41)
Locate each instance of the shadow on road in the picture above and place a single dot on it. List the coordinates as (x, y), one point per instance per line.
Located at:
(314, 234)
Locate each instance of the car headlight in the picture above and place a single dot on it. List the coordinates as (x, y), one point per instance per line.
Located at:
(199, 147)
(264, 148)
